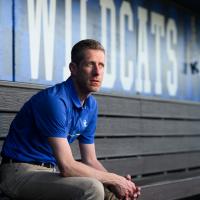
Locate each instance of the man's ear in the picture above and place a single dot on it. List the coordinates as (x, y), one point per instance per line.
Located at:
(73, 68)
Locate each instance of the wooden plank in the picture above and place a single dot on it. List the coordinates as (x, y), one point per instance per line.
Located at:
(1, 144)
(175, 175)
(112, 126)
(12, 99)
(123, 147)
(163, 109)
(145, 146)
(151, 164)
(143, 165)
(108, 126)
(107, 105)
(174, 189)
(5, 120)
(148, 164)
(118, 106)
(169, 127)
(11, 84)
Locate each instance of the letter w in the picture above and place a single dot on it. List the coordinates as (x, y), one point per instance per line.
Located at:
(38, 11)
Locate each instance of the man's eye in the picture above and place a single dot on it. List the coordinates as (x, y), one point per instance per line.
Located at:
(89, 65)
(101, 65)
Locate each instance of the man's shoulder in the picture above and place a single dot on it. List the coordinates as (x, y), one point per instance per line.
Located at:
(57, 91)
(52, 95)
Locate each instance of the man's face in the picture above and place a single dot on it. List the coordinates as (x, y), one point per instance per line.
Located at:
(89, 73)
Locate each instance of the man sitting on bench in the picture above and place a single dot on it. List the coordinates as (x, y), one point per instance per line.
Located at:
(41, 132)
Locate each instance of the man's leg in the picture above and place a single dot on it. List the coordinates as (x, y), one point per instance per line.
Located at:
(35, 182)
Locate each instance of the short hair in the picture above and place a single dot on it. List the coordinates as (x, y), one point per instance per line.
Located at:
(77, 53)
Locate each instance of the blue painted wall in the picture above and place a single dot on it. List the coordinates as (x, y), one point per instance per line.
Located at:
(6, 40)
(152, 47)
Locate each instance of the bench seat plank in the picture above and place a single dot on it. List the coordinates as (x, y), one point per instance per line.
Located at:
(112, 126)
(10, 104)
(108, 126)
(118, 106)
(171, 189)
(170, 109)
(120, 147)
(121, 106)
(5, 120)
(143, 165)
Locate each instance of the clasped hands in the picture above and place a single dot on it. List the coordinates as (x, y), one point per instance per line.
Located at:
(125, 189)
(135, 192)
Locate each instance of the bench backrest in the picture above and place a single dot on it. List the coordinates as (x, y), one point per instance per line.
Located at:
(140, 136)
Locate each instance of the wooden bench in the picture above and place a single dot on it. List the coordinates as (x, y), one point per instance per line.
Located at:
(156, 141)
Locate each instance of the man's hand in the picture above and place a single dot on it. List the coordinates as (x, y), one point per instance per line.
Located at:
(124, 188)
(138, 189)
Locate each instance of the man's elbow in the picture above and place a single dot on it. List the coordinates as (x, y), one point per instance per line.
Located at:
(67, 170)
(64, 174)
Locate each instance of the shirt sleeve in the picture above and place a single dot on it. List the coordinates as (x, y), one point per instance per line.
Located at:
(50, 116)
(87, 137)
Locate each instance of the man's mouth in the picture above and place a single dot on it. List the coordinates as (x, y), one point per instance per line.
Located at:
(95, 82)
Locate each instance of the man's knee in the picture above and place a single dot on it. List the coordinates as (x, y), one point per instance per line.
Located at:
(95, 190)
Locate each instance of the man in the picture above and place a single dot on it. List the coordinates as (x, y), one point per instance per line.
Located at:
(40, 134)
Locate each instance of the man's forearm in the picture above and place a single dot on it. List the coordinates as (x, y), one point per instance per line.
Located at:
(69, 167)
(78, 169)
(96, 165)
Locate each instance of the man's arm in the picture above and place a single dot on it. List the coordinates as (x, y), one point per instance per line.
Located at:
(88, 156)
(68, 166)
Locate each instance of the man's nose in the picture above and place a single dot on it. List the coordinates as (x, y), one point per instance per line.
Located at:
(96, 70)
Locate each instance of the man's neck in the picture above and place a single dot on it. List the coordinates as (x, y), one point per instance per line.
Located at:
(81, 94)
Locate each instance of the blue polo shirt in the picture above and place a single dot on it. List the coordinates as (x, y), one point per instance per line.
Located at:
(53, 112)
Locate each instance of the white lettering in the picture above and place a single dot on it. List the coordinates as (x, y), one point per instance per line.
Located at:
(110, 75)
(143, 60)
(83, 19)
(41, 22)
(34, 23)
(172, 77)
(35, 15)
(126, 73)
(49, 30)
(68, 37)
(157, 28)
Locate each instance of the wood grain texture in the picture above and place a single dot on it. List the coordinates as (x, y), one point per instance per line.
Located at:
(127, 127)
(171, 190)
(123, 147)
(12, 99)
(112, 126)
(110, 105)
(5, 121)
(142, 165)
(162, 109)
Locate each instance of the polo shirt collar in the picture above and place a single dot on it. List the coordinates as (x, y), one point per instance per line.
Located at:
(73, 94)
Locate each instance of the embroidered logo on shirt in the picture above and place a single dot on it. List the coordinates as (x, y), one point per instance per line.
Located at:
(84, 123)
